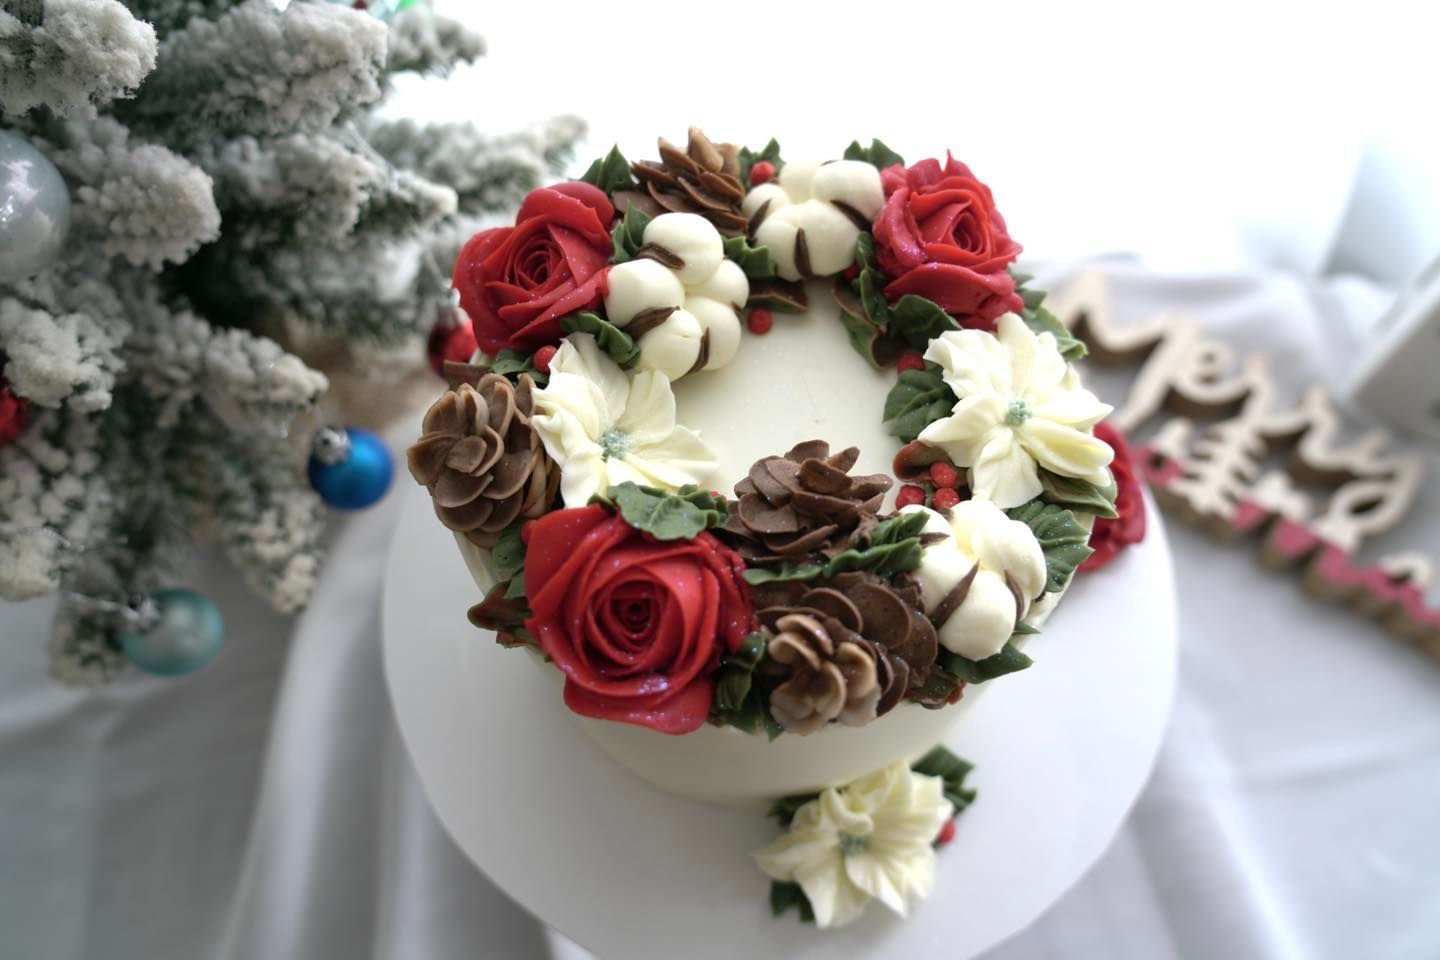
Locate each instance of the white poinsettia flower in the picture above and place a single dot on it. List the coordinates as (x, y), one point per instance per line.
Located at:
(604, 427)
(980, 576)
(685, 314)
(811, 215)
(1021, 405)
(869, 839)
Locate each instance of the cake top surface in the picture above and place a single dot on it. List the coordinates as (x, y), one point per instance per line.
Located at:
(766, 444)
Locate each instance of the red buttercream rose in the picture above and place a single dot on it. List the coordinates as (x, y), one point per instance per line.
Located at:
(637, 625)
(1112, 536)
(941, 238)
(517, 282)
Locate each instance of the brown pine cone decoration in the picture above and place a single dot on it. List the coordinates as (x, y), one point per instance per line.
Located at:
(861, 605)
(830, 674)
(803, 507)
(703, 178)
(482, 462)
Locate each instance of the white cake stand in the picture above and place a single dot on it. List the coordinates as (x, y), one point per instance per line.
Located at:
(1061, 752)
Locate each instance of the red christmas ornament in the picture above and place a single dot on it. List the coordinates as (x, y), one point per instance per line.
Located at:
(947, 833)
(760, 321)
(761, 172)
(851, 272)
(909, 495)
(945, 499)
(543, 356)
(14, 412)
(450, 341)
(910, 360)
(944, 475)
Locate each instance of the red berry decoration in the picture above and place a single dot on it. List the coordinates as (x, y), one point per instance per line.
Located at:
(760, 321)
(947, 833)
(944, 475)
(910, 360)
(543, 356)
(945, 499)
(450, 341)
(761, 172)
(14, 412)
(851, 272)
(909, 495)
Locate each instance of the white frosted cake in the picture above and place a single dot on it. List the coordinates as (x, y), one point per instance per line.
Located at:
(772, 466)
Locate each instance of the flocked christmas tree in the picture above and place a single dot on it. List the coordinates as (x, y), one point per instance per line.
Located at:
(223, 188)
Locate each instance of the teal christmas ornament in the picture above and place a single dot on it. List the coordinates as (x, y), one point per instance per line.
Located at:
(172, 632)
(350, 468)
(34, 209)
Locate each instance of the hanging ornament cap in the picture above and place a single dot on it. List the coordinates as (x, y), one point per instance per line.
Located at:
(331, 446)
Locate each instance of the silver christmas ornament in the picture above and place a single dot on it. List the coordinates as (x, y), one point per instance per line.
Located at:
(34, 209)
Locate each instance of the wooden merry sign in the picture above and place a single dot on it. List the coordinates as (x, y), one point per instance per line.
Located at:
(1220, 425)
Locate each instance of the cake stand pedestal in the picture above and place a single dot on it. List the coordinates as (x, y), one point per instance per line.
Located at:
(1061, 751)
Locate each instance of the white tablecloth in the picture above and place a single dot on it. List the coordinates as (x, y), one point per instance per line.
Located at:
(266, 809)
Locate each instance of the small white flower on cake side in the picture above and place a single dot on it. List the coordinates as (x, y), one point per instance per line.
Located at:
(812, 214)
(604, 427)
(683, 304)
(1021, 406)
(980, 580)
(871, 839)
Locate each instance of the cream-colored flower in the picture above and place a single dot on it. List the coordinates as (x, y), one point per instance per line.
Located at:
(870, 838)
(698, 303)
(603, 427)
(966, 579)
(825, 201)
(1020, 405)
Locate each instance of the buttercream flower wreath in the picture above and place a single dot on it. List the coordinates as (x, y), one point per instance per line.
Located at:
(799, 601)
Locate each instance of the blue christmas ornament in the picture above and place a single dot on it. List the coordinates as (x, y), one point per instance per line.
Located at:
(34, 209)
(350, 468)
(174, 632)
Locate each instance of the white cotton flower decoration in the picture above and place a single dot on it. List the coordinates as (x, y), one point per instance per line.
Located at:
(826, 203)
(869, 839)
(1021, 406)
(604, 427)
(980, 580)
(683, 310)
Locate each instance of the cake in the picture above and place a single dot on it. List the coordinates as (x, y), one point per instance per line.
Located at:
(772, 467)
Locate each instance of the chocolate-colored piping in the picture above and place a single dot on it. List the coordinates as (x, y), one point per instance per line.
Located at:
(856, 217)
(1017, 594)
(952, 600)
(658, 253)
(758, 219)
(802, 256)
(703, 357)
(647, 320)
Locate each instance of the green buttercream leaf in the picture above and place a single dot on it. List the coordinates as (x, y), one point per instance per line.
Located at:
(934, 693)
(877, 154)
(668, 516)
(512, 363)
(869, 340)
(869, 284)
(628, 235)
(919, 320)
(784, 895)
(805, 571)
(611, 172)
(1040, 320)
(784, 809)
(755, 261)
(737, 671)
(616, 343)
(1062, 539)
(902, 526)
(508, 554)
(1079, 495)
(1025, 630)
(748, 158)
(1008, 660)
(918, 399)
(952, 771)
(884, 560)
(516, 589)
